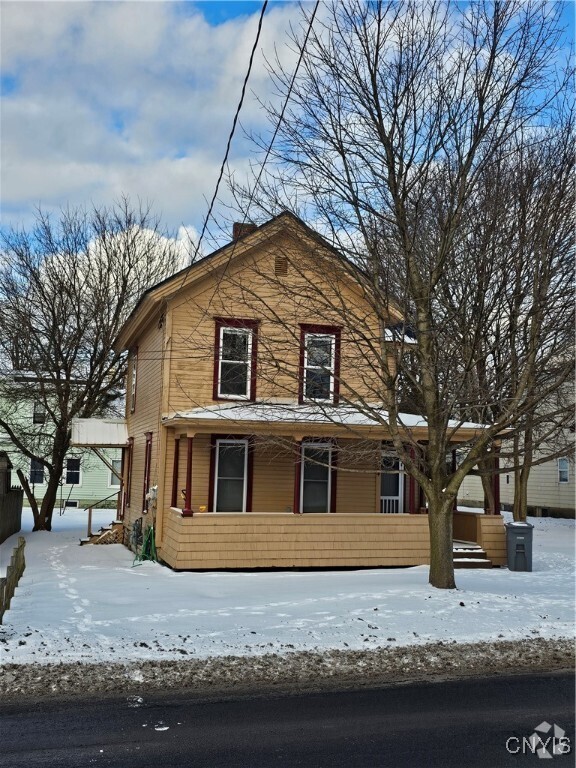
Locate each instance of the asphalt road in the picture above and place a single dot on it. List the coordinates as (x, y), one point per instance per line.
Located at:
(455, 724)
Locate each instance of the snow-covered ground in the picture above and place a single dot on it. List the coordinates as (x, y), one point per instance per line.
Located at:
(91, 604)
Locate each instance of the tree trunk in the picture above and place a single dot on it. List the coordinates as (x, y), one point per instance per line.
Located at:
(48, 503)
(486, 467)
(30, 496)
(520, 508)
(441, 546)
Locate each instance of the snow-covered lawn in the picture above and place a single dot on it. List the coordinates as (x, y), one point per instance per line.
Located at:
(91, 604)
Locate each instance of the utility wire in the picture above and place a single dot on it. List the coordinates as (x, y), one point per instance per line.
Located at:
(284, 106)
(231, 135)
(268, 150)
(271, 142)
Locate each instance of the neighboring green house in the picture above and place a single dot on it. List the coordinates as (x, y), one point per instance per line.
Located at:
(86, 480)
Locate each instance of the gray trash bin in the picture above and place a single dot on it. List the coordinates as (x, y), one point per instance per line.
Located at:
(519, 546)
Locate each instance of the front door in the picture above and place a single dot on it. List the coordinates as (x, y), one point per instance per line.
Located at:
(391, 485)
(230, 475)
(315, 490)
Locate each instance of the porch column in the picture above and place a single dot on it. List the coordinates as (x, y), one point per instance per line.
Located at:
(411, 489)
(453, 468)
(496, 480)
(333, 477)
(297, 476)
(187, 511)
(174, 499)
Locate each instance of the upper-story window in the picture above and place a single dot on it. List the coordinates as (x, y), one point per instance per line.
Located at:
(319, 363)
(39, 413)
(563, 470)
(235, 359)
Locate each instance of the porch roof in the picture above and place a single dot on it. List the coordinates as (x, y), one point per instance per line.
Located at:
(99, 433)
(316, 418)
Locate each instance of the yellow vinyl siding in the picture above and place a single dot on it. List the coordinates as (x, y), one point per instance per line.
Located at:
(249, 290)
(146, 416)
(265, 541)
(273, 486)
(486, 530)
(357, 484)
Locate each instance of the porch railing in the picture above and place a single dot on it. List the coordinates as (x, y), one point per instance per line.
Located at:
(389, 505)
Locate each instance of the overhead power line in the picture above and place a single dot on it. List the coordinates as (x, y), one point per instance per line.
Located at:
(231, 135)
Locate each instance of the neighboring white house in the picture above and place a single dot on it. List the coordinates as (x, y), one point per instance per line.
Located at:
(551, 489)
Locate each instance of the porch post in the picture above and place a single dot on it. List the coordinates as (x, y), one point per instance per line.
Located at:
(453, 468)
(496, 480)
(411, 489)
(333, 477)
(187, 511)
(174, 500)
(297, 476)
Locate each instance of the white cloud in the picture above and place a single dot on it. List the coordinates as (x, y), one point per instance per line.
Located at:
(135, 98)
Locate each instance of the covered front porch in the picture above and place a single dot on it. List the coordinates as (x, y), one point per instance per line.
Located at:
(244, 492)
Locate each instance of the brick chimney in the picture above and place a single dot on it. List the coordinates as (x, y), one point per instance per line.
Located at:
(240, 229)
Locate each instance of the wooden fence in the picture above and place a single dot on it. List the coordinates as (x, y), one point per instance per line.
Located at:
(14, 570)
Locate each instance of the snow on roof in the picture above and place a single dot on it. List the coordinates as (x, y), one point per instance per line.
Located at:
(293, 413)
(392, 334)
(99, 433)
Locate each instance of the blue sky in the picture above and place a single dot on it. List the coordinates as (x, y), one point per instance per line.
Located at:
(101, 99)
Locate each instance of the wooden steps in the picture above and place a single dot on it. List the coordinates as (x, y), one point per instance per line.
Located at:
(468, 554)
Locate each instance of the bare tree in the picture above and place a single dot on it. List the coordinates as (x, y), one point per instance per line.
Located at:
(66, 287)
(524, 219)
(402, 123)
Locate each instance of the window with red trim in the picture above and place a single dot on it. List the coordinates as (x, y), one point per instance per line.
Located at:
(235, 351)
(128, 454)
(319, 363)
(133, 378)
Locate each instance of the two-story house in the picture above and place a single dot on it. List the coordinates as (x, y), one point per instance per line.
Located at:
(245, 442)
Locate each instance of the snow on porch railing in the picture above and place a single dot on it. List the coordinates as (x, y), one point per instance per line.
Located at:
(14, 570)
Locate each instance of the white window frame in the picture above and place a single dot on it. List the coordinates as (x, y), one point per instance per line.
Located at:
(236, 330)
(316, 447)
(112, 477)
(231, 441)
(330, 369)
(564, 470)
(71, 504)
(79, 483)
